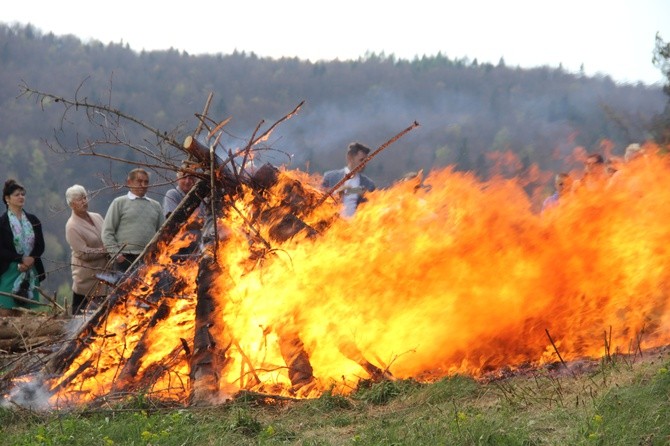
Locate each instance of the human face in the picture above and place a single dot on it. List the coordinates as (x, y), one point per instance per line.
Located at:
(139, 184)
(562, 184)
(593, 167)
(79, 204)
(16, 199)
(185, 183)
(354, 160)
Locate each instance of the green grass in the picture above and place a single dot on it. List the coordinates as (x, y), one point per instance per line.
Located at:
(615, 402)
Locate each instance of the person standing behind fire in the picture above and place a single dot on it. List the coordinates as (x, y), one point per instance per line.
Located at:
(633, 155)
(353, 190)
(175, 195)
(595, 174)
(131, 221)
(21, 248)
(562, 184)
(83, 232)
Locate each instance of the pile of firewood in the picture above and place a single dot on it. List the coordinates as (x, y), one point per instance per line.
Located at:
(279, 208)
(25, 332)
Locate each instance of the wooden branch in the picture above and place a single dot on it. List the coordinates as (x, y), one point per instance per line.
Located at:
(204, 113)
(128, 377)
(558, 353)
(24, 300)
(97, 107)
(267, 133)
(349, 349)
(295, 356)
(30, 326)
(211, 339)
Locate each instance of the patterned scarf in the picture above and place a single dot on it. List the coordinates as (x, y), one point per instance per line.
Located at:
(24, 241)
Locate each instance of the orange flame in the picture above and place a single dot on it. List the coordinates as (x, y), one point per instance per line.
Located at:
(458, 277)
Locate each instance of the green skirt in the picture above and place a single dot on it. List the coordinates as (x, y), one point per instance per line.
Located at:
(9, 283)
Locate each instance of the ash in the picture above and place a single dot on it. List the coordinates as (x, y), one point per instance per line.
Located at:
(29, 395)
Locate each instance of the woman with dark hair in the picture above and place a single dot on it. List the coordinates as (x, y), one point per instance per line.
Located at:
(21, 246)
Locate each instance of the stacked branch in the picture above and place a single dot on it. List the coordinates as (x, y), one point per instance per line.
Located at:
(24, 333)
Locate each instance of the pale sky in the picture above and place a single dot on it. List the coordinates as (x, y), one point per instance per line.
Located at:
(608, 37)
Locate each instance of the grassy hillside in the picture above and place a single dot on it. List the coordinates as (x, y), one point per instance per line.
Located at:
(616, 401)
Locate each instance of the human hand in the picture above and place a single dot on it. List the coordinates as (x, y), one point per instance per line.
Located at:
(353, 191)
(28, 261)
(120, 258)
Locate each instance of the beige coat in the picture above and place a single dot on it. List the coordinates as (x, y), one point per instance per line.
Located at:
(89, 256)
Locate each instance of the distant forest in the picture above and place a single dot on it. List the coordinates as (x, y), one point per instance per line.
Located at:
(484, 118)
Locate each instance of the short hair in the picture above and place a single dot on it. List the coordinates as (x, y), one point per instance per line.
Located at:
(356, 147)
(11, 186)
(73, 192)
(137, 171)
(632, 151)
(183, 171)
(596, 156)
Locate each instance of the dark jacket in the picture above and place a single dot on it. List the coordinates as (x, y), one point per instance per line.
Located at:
(8, 253)
(332, 177)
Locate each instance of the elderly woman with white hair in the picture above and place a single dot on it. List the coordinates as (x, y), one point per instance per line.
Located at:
(83, 232)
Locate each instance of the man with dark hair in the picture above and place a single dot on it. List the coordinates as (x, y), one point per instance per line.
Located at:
(595, 173)
(351, 191)
(131, 221)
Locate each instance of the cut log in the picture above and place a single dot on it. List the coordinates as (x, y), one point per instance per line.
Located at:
(349, 349)
(30, 326)
(210, 341)
(292, 349)
(24, 344)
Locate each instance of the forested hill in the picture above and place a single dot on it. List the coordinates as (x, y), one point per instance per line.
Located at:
(466, 111)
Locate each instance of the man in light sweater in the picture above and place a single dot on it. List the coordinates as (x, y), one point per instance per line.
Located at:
(131, 220)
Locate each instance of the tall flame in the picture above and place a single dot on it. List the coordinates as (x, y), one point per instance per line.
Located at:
(457, 277)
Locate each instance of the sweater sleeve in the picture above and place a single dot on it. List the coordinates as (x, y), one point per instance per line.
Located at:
(79, 247)
(161, 216)
(110, 226)
(170, 201)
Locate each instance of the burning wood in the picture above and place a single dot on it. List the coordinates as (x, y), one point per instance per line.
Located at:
(196, 365)
(278, 295)
(211, 340)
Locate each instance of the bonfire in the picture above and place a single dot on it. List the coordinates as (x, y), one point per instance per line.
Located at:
(435, 276)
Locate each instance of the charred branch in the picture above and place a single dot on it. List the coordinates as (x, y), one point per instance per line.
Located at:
(211, 339)
(128, 377)
(300, 371)
(350, 350)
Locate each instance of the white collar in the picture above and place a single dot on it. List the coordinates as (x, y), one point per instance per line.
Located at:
(132, 196)
(347, 171)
